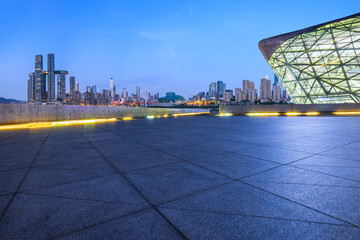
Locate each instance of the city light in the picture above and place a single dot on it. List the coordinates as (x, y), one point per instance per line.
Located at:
(263, 114)
(293, 113)
(165, 115)
(312, 113)
(127, 118)
(226, 114)
(189, 114)
(346, 113)
(150, 117)
(54, 124)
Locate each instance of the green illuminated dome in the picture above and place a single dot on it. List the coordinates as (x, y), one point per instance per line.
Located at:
(319, 64)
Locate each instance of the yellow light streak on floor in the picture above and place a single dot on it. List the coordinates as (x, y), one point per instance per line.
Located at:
(293, 113)
(263, 114)
(54, 124)
(346, 113)
(312, 113)
(189, 114)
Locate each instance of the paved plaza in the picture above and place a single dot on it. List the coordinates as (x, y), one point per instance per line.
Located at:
(202, 177)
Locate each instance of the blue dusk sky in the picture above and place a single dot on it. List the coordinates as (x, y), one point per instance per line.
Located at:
(161, 46)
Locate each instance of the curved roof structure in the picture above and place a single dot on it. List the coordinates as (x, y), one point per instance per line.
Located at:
(269, 45)
(319, 64)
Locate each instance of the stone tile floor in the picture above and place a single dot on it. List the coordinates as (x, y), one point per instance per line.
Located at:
(190, 177)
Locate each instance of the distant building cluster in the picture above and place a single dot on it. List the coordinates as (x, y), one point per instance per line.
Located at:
(41, 89)
(41, 84)
(248, 94)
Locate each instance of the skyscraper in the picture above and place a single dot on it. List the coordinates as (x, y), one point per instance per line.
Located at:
(51, 76)
(72, 88)
(112, 89)
(40, 84)
(61, 82)
(276, 80)
(265, 89)
(138, 92)
(93, 89)
(125, 93)
(220, 89)
(276, 93)
(31, 87)
(212, 90)
(77, 87)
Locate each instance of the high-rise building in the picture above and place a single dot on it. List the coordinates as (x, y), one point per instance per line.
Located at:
(112, 89)
(40, 83)
(248, 93)
(88, 89)
(138, 92)
(220, 89)
(125, 93)
(228, 94)
(72, 88)
(265, 89)
(31, 87)
(51, 76)
(276, 80)
(77, 87)
(318, 64)
(61, 82)
(285, 95)
(245, 87)
(276, 93)
(93, 89)
(212, 90)
(238, 95)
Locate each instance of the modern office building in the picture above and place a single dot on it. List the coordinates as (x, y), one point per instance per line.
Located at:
(138, 92)
(51, 76)
(31, 87)
(112, 89)
(61, 85)
(319, 64)
(37, 81)
(77, 87)
(220, 89)
(212, 90)
(276, 80)
(72, 88)
(40, 83)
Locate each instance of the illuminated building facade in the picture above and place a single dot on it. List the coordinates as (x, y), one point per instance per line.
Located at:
(212, 90)
(72, 88)
(40, 84)
(319, 64)
(51, 76)
(37, 91)
(61, 91)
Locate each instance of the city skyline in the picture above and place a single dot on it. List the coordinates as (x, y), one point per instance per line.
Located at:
(180, 49)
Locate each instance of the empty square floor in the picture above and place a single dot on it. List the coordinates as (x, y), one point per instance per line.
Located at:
(183, 178)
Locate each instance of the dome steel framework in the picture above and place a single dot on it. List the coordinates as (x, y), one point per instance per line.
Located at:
(320, 64)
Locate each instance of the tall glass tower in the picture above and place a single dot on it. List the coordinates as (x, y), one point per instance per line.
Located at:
(40, 84)
(51, 76)
(72, 88)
